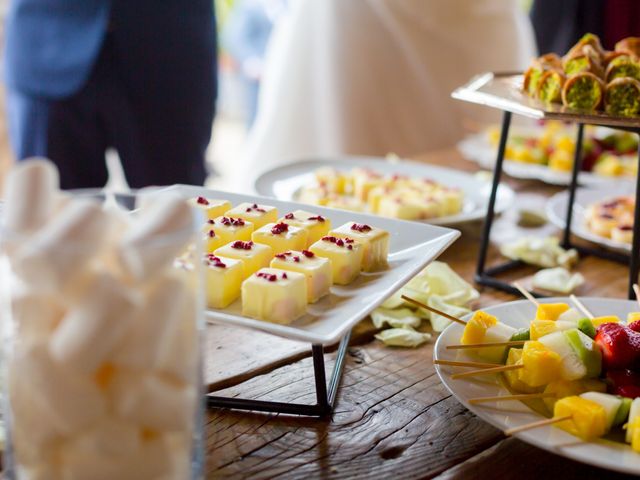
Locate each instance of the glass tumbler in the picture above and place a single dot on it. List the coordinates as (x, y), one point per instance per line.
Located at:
(102, 345)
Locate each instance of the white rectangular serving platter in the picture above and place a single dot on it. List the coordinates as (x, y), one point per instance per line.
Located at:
(412, 246)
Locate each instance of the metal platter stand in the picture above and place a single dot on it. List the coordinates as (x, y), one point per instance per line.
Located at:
(503, 91)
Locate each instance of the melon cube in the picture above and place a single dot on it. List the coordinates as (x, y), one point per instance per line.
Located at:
(230, 229)
(316, 269)
(281, 237)
(274, 295)
(345, 255)
(253, 256)
(374, 240)
(211, 207)
(259, 215)
(223, 280)
(316, 226)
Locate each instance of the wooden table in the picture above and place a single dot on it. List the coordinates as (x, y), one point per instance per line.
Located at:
(393, 418)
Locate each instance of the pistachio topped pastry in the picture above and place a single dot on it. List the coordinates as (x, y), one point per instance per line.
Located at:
(623, 66)
(583, 91)
(622, 97)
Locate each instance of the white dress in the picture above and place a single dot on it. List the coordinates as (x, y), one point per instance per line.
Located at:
(371, 77)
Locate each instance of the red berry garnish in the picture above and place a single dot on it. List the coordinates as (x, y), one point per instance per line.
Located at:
(211, 222)
(213, 261)
(318, 218)
(270, 277)
(289, 216)
(240, 245)
(296, 259)
(255, 208)
(202, 201)
(232, 222)
(279, 228)
(212, 234)
(308, 254)
(360, 227)
(284, 276)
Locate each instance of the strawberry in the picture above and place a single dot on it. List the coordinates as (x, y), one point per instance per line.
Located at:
(620, 346)
(629, 391)
(635, 326)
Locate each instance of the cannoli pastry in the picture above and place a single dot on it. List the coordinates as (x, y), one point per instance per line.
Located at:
(629, 45)
(623, 66)
(538, 67)
(587, 59)
(587, 39)
(550, 86)
(622, 97)
(611, 55)
(583, 91)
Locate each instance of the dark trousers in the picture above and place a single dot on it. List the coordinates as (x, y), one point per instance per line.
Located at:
(151, 96)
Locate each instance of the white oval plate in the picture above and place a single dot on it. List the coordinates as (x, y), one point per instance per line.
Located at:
(556, 209)
(286, 181)
(478, 149)
(602, 453)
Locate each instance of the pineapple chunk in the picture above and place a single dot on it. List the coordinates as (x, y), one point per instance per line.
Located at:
(223, 280)
(541, 365)
(605, 319)
(551, 311)
(476, 327)
(345, 255)
(540, 328)
(566, 388)
(281, 237)
(316, 226)
(253, 256)
(317, 271)
(274, 296)
(211, 207)
(589, 419)
(258, 215)
(375, 242)
(635, 436)
(511, 376)
(485, 328)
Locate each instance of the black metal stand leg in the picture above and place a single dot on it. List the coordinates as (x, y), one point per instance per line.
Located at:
(325, 398)
(634, 265)
(577, 165)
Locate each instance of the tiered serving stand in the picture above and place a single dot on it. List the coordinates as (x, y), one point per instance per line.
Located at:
(503, 91)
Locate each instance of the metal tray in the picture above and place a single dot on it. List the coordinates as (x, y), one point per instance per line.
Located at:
(504, 91)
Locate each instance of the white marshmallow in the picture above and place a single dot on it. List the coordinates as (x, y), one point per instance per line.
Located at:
(110, 437)
(35, 316)
(73, 402)
(154, 327)
(62, 248)
(91, 330)
(153, 402)
(161, 231)
(181, 359)
(30, 190)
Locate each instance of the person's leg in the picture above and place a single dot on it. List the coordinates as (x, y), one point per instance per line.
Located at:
(27, 118)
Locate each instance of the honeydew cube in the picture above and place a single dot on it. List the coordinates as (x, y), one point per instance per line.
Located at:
(571, 315)
(281, 237)
(230, 229)
(258, 215)
(316, 225)
(223, 280)
(374, 240)
(345, 256)
(274, 296)
(588, 419)
(211, 239)
(541, 365)
(211, 207)
(92, 328)
(572, 367)
(154, 402)
(316, 269)
(550, 311)
(253, 256)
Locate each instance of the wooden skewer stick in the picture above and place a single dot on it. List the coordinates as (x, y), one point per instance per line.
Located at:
(637, 290)
(453, 363)
(585, 311)
(525, 293)
(434, 310)
(486, 371)
(541, 423)
(521, 396)
(512, 343)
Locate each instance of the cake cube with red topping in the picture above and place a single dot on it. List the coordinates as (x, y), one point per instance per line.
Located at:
(274, 295)
(345, 255)
(212, 207)
(375, 243)
(255, 213)
(229, 229)
(211, 240)
(317, 271)
(316, 225)
(253, 256)
(281, 237)
(223, 280)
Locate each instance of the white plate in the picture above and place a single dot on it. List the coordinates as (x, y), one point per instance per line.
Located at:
(557, 211)
(286, 181)
(412, 247)
(478, 149)
(602, 453)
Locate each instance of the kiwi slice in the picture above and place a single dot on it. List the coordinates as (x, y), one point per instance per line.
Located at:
(622, 415)
(587, 350)
(586, 326)
(520, 335)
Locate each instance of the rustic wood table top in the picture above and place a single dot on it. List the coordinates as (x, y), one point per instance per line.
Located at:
(393, 418)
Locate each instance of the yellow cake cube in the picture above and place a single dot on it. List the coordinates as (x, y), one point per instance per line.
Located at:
(589, 419)
(345, 202)
(281, 237)
(541, 365)
(223, 280)
(550, 311)
(253, 256)
(364, 180)
(374, 240)
(274, 295)
(450, 199)
(210, 239)
(345, 255)
(230, 229)
(316, 225)
(211, 207)
(316, 269)
(332, 180)
(259, 215)
(408, 207)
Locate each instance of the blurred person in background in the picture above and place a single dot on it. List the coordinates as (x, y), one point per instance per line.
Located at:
(139, 76)
(375, 76)
(560, 24)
